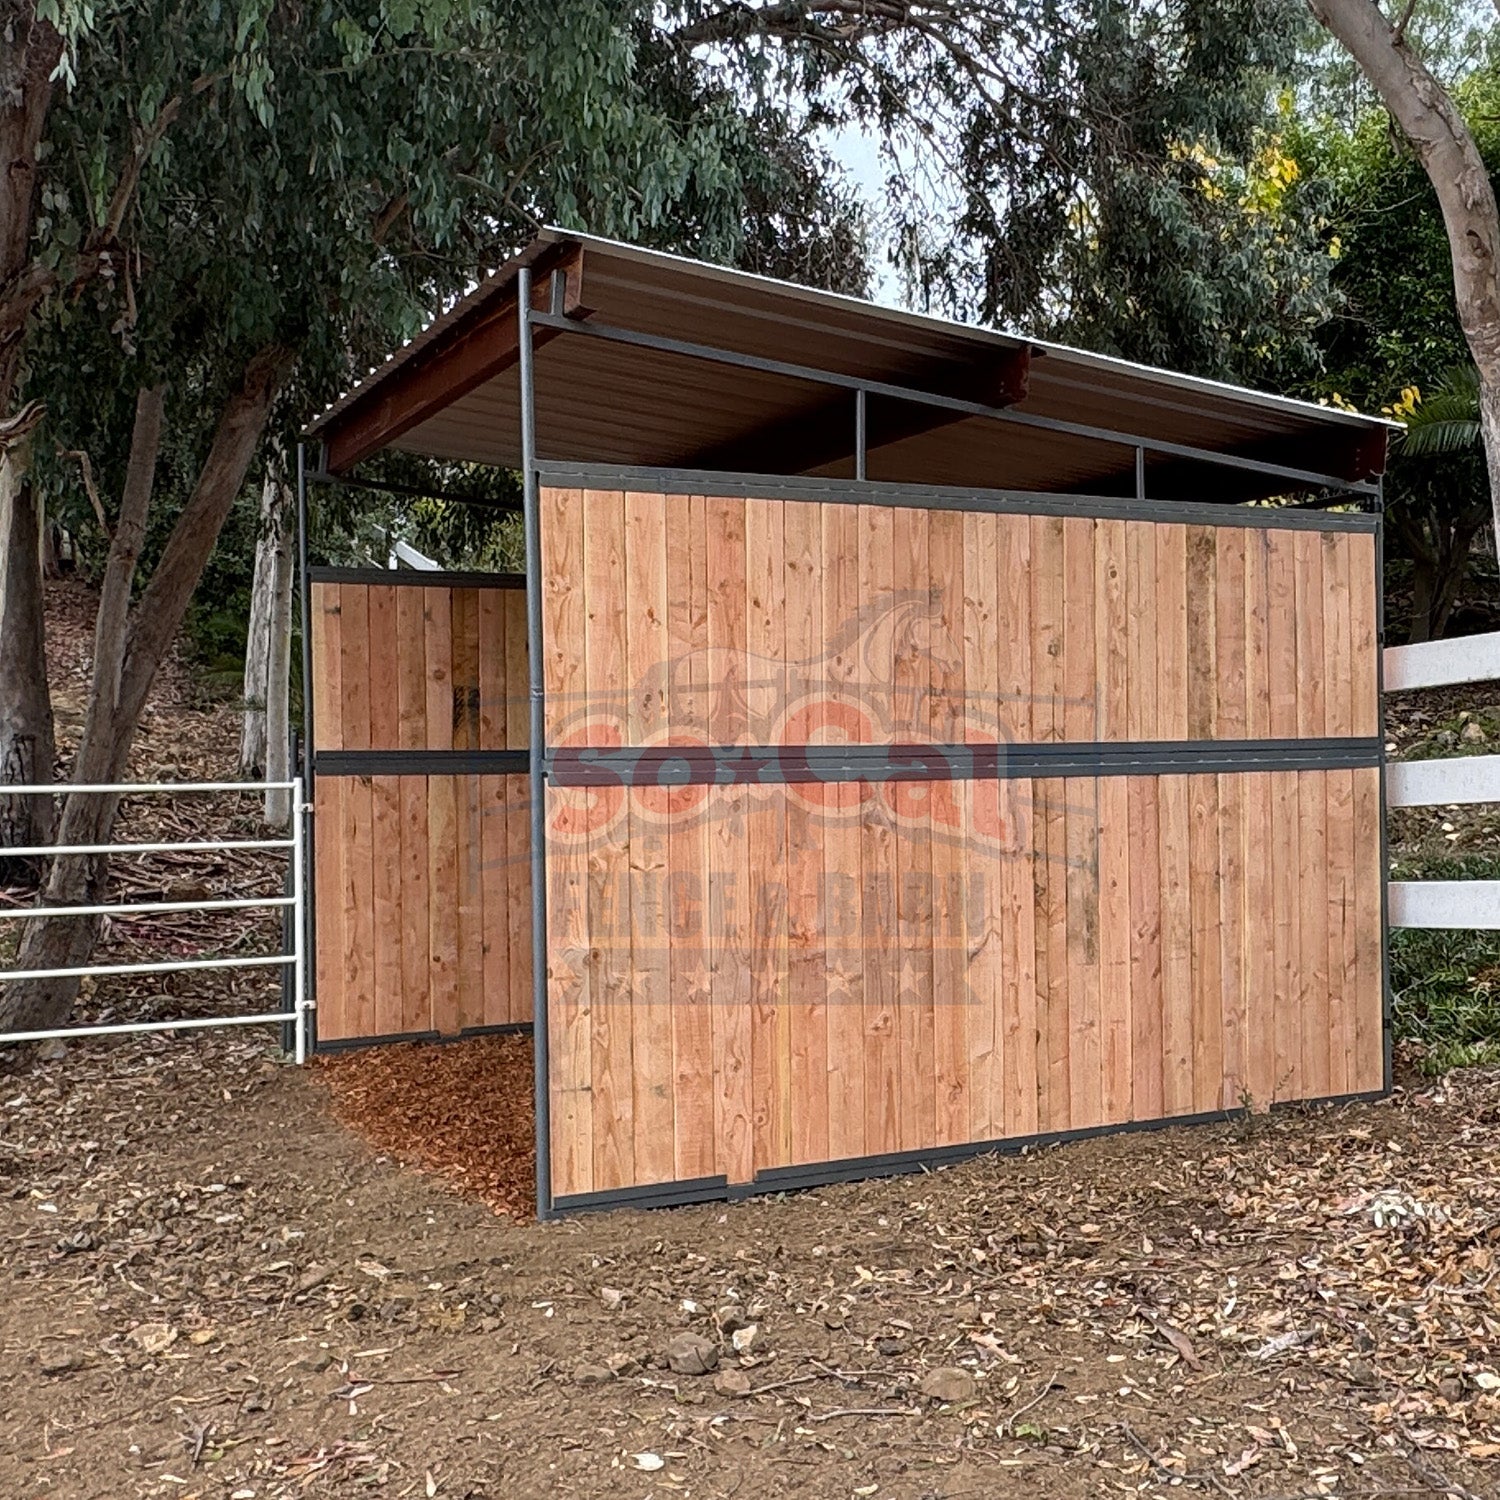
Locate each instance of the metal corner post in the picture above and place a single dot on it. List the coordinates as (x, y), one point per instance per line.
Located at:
(1387, 995)
(302, 797)
(531, 521)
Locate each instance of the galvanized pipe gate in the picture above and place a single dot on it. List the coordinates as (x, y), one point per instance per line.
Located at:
(298, 1014)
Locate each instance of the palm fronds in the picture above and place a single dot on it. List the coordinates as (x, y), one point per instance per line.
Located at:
(1447, 421)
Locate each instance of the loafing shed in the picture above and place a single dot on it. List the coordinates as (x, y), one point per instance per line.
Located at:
(906, 740)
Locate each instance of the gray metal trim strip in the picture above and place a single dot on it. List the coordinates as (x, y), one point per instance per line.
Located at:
(536, 738)
(396, 1038)
(421, 762)
(420, 578)
(897, 1164)
(737, 765)
(572, 475)
(309, 773)
(653, 1195)
(1388, 998)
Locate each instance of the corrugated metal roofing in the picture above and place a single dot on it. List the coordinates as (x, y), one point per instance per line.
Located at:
(612, 403)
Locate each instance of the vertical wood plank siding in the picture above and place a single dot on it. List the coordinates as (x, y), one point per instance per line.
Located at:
(422, 882)
(749, 977)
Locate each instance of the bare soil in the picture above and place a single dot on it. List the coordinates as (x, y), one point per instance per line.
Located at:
(227, 1277)
(213, 1288)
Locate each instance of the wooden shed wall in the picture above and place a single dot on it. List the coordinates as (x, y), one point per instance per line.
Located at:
(422, 876)
(944, 626)
(801, 967)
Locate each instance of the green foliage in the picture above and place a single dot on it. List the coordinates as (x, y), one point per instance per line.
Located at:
(1397, 323)
(334, 172)
(327, 176)
(1446, 988)
(1106, 172)
(1454, 38)
(1396, 327)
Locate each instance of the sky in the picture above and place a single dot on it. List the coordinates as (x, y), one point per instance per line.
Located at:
(858, 153)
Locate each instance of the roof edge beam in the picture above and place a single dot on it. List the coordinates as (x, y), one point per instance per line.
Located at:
(486, 345)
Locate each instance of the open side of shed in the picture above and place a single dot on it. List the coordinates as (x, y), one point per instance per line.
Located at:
(906, 740)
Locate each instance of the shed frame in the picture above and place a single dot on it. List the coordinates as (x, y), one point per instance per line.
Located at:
(1359, 483)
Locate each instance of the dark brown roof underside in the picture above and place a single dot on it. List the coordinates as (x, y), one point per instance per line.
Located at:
(604, 402)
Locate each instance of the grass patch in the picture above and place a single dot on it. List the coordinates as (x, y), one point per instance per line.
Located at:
(1445, 986)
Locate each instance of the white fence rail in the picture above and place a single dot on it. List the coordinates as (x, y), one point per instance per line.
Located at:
(1457, 781)
(1470, 658)
(294, 959)
(1473, 904)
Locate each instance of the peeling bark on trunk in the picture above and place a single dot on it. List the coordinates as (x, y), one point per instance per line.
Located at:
(1441, 138)
(129, 647)
(1489, 427)
(263, 740)
(258, 633)
(27, 59)
(27, 750)
(278, 673)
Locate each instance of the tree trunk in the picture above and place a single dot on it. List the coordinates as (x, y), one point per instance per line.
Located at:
(28, 56)
(1437, 130)
(278, 674)
(1424, 589)
(1489, 426)
(27, 750)
(129, 647)
(258, 634)
(1456, 545)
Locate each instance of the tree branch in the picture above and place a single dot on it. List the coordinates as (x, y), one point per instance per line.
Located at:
(146, 141)
(124, 553)
(158, 613)
(34, 282)
(86, 466)
(796, 18)
(1437, 130)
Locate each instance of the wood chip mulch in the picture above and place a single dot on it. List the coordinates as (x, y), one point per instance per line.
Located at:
(463, 1111)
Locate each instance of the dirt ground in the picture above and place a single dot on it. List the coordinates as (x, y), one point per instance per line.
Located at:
(213, 1288)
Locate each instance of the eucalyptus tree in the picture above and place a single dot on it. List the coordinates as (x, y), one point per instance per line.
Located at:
(1396, 336)
(1106, 171)
(1433, 121)
(309, 184)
